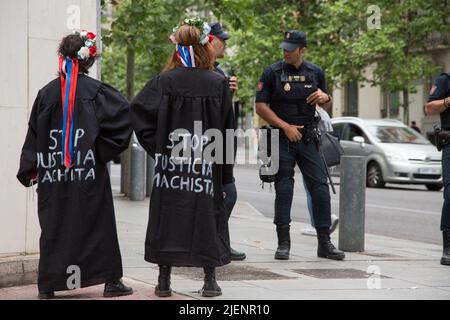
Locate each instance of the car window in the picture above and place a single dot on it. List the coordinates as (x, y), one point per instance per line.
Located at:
(338, 129)
(351, 131)
(391, 134)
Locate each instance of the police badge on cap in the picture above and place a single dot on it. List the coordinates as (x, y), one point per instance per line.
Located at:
(293, 39)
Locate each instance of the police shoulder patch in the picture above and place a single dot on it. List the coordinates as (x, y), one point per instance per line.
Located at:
(260, 86)
(433, 89)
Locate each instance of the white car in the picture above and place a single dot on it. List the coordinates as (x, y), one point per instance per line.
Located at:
(395, 153)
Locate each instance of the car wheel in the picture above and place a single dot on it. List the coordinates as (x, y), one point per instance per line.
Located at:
(374, 176)
(434, 187)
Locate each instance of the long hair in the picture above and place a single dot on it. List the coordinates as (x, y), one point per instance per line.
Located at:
(204, 55)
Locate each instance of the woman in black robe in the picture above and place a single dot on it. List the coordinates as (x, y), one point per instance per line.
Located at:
(77, 125)
(187, 223)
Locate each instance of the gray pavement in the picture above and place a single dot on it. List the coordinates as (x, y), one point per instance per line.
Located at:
(392, 266)
(388, 269)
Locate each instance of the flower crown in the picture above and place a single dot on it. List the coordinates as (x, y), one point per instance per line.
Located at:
(200, 24)
(89, 49)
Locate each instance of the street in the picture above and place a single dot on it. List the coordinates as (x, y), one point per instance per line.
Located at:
(400, 211)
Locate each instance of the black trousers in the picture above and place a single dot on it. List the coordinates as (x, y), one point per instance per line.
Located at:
(307, 157)
(445, 217)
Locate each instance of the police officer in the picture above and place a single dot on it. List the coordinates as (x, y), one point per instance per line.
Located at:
(220, 44)
(286, 98)
(230, 193)
(439, 103)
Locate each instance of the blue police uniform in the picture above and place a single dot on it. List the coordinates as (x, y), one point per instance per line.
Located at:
(285, 88)
(290, 105)
(439, 91)
(219, 70)
(230, 188)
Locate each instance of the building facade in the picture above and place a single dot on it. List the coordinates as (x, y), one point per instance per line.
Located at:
(30, 31)
(362, 100)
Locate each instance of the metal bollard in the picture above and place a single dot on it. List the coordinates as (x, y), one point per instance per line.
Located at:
(126, 167)
(137, 173)
(150, 175)
(123, 172)
(352, 202)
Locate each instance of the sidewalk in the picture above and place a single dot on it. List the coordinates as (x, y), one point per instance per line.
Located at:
(409, 270)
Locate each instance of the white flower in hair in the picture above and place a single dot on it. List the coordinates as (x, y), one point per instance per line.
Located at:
(83, 54)
(83, 33)
(204, 39)
(206, 28)
(89, 43)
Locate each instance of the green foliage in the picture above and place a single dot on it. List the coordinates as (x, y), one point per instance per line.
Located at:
(142, 26)
(340, 39)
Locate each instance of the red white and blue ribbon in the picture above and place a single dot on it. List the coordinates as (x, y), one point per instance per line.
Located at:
(186, 55)
(68, 70)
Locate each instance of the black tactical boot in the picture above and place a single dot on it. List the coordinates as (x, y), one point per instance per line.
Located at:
(236, 255)
(325, 248)
(116, 288)
(46, 295)
(284, 242)
(445, 260)
(210, 288)
(163, 288)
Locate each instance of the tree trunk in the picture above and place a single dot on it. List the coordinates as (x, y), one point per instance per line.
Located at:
(125, 158)
(406, 106)
(130, 73)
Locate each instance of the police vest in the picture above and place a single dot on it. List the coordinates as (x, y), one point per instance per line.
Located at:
(445, 116)
(288, 100)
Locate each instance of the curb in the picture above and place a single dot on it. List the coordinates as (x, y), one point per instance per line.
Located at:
(18, 270)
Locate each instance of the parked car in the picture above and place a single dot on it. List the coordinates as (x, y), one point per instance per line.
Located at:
(395, 153)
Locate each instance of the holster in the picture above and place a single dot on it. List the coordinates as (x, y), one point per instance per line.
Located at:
(441, 137)
(311, 133)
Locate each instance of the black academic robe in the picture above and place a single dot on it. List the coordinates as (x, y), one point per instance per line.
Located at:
(75, 206)
(188, 223)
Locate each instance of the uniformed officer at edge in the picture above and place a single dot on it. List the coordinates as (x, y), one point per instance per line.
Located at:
(230, 193)
(439, 103)
(286, 98)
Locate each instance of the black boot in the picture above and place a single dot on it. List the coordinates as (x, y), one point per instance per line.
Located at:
(116, 288)
(210, 288)
(46, 295)
(325, 248)
(163, 288)
(284, 242)
(236, 255)
(445, 260)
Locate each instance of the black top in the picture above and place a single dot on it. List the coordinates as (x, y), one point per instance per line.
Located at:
(285, 88)
(439, 91)
(188, 223)
(75, 205)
